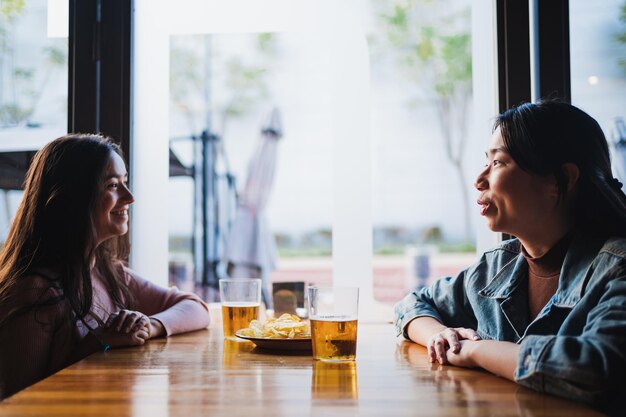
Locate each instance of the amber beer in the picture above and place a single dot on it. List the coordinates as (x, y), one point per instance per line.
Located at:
(334, 339)
(241, 299)
(238, 315)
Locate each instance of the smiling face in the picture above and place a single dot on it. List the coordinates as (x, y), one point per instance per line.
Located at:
(514, 201)
(111, 213)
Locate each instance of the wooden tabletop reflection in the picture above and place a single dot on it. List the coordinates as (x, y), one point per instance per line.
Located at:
(201, 374)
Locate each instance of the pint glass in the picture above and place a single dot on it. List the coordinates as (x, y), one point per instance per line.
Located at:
(241, 299)
(333, 313)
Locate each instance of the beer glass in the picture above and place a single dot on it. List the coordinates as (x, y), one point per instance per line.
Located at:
(241, 299)
(333, 312)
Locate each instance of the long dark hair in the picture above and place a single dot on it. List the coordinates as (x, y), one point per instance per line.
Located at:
(543, 136)
(54, 228)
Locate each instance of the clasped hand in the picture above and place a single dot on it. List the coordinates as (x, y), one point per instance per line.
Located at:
(452, 346)
(126, 328)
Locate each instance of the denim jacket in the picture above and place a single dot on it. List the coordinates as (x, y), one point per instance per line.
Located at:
(575, 347)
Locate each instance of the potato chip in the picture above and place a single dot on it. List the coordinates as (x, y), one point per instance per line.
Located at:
(287, 326)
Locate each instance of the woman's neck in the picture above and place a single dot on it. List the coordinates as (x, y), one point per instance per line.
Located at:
(539, 245)
(539, 237)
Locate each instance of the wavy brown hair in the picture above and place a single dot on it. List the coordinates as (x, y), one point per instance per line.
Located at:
(54, 229)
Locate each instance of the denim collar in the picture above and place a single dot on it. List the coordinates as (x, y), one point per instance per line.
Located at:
(506, 287)
(580, 255)
(508, 278)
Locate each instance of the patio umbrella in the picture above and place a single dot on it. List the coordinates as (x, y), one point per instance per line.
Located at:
(250, 249)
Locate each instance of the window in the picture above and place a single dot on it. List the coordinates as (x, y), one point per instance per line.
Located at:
(33, 90)
(598, 62)
(362, 161)
(424, 151)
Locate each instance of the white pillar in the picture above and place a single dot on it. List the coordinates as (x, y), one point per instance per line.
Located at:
(352, 159)
(484, 79)
(150, 141)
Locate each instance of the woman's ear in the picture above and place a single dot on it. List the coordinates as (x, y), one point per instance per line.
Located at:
(571, 172)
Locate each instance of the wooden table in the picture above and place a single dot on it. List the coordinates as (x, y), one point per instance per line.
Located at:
(200, 374)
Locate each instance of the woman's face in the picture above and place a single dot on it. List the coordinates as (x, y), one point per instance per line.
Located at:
(513, 200)
(111, 216)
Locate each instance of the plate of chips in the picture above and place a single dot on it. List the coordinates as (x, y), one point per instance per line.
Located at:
(287, 332)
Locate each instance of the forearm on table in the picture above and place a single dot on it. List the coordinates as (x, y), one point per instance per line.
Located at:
(494, 356)
(497, 357)
(421, 329)
(183, 316)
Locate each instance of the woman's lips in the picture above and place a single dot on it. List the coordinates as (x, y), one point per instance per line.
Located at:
(123, 213)
(484, 206)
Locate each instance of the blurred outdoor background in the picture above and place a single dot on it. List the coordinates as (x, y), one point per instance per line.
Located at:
(233, 93)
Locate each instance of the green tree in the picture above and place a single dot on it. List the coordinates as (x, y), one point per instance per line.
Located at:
(10, 10)
(20, 87)
(433, 46)
(198, 64)
(621, 37)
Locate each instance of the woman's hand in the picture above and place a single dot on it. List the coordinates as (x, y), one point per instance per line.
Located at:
(126, 328)
(465, 355)
(115, 338)
(128, 321)
(448, 339)
(156, 328)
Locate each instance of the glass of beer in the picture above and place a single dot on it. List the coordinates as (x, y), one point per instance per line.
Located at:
(241, 299)
(333, 312)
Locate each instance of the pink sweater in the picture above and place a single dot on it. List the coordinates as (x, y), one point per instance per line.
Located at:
(39, 343)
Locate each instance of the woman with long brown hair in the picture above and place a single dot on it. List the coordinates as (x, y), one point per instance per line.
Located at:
(64, 289)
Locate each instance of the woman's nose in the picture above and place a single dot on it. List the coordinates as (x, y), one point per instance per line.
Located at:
(481, 181)
(128, 196)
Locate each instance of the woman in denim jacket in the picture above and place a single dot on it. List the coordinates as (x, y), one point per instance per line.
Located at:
(547, 309)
